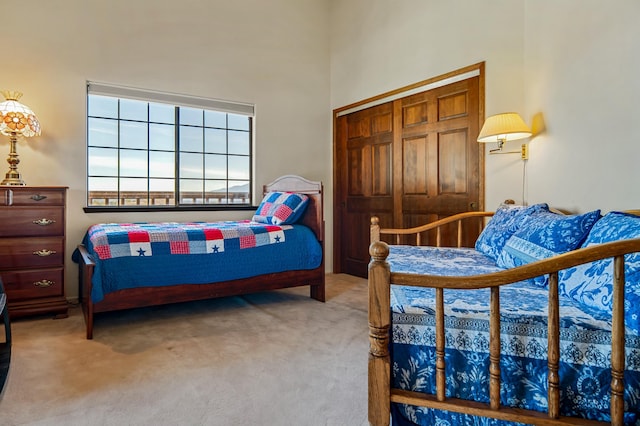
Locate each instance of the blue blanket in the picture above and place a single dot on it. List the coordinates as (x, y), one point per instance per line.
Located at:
(584, 344)
(292, 247)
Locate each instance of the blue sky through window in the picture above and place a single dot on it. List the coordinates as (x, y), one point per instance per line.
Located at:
(143, 146)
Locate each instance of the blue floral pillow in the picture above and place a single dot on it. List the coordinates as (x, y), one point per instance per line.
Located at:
(591, 285)
(281, 208)
(545, 234)
(504, 223)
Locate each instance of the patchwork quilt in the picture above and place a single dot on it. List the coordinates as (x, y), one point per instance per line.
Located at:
(112, 240)
(131, 255)
(585, 342)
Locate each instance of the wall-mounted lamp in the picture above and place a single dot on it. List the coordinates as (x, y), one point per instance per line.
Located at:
(500, 128)
(16, 120)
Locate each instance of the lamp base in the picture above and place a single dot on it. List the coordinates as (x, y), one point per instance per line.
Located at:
(13, 175)
(12, 178)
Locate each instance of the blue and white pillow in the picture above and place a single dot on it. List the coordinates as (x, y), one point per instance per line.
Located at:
(504, 223)
(546, 234)
(281, 208)
(591, 285)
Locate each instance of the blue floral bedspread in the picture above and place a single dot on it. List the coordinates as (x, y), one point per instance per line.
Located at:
(287, 248)
(584, 344)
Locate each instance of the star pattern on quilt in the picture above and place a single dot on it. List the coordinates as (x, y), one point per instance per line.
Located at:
(167, 238)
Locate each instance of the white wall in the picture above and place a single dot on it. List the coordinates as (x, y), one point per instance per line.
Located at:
(274, 54)
(572, 65)
(582, 74)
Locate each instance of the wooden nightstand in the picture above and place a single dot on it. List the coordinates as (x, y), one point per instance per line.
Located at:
(32, 242)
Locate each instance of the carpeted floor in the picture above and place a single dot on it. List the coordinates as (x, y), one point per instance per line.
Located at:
(274, 358)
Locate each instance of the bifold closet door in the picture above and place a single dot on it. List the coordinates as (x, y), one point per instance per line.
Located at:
(408, 161)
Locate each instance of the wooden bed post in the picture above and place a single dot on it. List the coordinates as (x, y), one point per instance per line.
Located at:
(441, 378)
(85, 273)
(379, 325)
(617, 343)
(494, 349)
(553, 351)
(374, 229)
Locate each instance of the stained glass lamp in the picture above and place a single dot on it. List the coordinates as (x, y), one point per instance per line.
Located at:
(16, 120)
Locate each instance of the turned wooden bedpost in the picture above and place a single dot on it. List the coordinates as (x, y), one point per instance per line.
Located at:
(553, 345)
(441, 379)
(379, 325)
(374, 229)
(494, 349)
(617, 343)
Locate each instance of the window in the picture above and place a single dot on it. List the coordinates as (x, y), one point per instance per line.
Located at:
(148, 149)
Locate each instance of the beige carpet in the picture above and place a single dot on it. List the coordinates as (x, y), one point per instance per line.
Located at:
(275, 358)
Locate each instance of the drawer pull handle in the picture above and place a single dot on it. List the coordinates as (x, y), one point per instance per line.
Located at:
(44, 222)
(43, 283)
(38, 197)
(44, 252)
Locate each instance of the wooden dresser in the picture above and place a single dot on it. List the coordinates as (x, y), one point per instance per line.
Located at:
(32, 242)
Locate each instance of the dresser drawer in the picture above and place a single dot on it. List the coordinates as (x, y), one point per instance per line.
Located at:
(31, 252)
(21, 285)
(32, 197)
(30, 221)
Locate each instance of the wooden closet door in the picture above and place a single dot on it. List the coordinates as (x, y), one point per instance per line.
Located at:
(409, 161)
(436, 158)
(364, 157)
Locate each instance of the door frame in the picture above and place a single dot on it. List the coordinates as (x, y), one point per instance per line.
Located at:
(475, 70)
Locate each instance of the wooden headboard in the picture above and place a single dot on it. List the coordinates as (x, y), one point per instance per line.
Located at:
(313, 216)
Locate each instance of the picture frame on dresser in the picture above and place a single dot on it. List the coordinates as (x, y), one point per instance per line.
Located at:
(32, 249)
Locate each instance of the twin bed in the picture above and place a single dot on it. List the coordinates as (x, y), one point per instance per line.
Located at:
(131, 265)
(455, 339)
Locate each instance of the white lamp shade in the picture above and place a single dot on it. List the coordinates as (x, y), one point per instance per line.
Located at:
(507, 126)
(16, 117)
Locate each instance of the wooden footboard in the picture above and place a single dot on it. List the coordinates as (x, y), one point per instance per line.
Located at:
(183, 292)
(381, 394)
